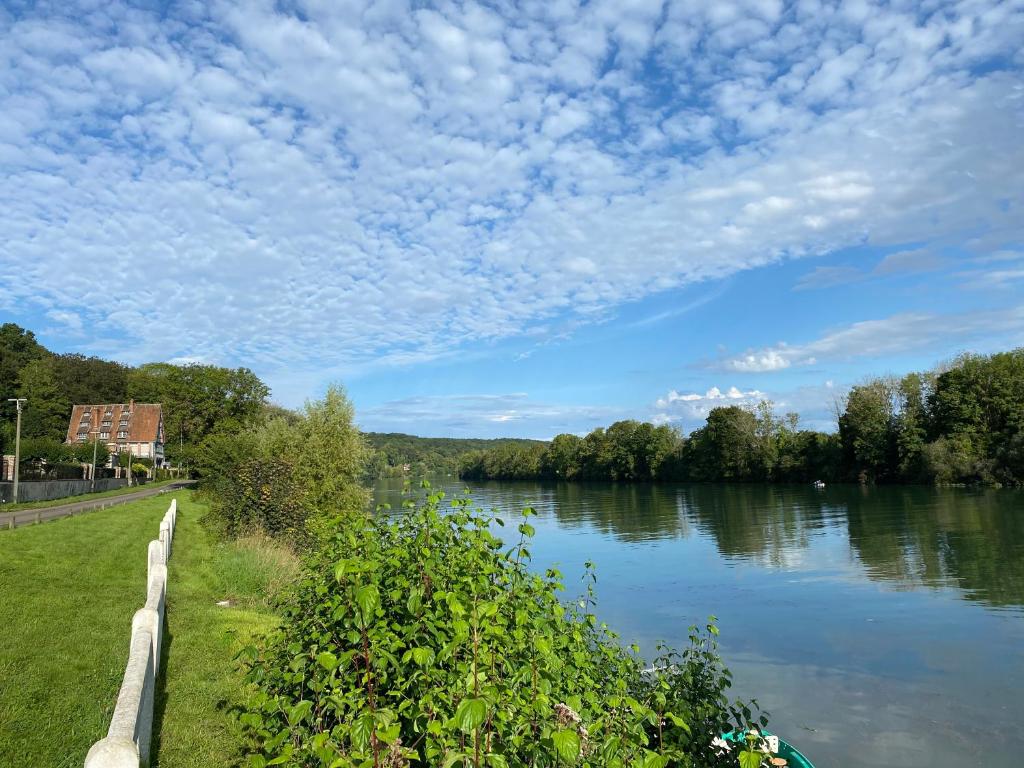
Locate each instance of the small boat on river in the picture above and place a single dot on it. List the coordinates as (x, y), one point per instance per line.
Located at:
(819, 483)
(782, 753)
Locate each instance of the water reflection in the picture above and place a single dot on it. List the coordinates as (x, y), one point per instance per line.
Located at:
(908, 537)
(880, 626)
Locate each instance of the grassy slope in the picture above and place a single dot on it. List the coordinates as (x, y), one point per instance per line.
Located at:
(68, 590)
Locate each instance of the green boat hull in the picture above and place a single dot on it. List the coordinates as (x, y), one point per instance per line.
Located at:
(794, 757)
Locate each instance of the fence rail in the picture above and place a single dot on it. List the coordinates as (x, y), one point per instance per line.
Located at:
(128, 739)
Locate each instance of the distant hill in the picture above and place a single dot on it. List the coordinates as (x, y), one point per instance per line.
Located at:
(427, 455)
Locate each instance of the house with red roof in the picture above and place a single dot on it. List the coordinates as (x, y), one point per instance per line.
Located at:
(136, 428)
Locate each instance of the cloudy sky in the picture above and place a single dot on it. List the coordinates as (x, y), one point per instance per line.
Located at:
(521, 219)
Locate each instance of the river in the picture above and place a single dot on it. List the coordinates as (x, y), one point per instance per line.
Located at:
(878, 626)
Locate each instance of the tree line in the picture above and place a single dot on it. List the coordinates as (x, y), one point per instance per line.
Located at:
(960, 423)
(393, 451)
(199, 401)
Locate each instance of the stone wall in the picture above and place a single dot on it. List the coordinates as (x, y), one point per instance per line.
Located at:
(130, 734)
(46, 490)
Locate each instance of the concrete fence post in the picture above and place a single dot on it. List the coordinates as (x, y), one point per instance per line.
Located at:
(165, 537)
(113, 753)
(157, 592)
(150, 619)
(154, 558)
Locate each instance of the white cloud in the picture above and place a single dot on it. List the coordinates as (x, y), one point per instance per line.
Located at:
(898, 334)
(71, 321)
(691, 408)
(352, 185)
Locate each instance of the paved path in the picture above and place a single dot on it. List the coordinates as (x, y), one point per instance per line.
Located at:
(42, 514)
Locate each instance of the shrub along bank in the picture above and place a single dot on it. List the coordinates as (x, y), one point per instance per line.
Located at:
(423, 639)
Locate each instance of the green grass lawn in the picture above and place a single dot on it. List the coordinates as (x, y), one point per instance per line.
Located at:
(81, 497)
(68, 590)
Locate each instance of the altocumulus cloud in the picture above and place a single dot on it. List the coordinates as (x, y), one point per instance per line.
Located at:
(310, 185)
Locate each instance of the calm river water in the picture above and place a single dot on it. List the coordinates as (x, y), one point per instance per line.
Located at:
(878, 626)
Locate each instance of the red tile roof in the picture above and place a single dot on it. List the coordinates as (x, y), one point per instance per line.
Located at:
(145, 422)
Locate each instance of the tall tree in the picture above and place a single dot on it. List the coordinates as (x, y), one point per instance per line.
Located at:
(18, 347)
(725, 448)
(866, 430)
(199, 399)
(90, 380)
(48, 408)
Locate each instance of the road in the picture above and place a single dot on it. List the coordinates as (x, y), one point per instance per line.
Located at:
(42, 514)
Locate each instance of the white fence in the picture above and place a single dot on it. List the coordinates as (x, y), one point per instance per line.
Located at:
(131, 728)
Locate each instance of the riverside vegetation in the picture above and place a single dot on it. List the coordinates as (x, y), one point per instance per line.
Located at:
(425, 639)
(962, 423)
(422, 639)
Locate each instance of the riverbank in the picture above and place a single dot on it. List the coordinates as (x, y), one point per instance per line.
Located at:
(69, 594)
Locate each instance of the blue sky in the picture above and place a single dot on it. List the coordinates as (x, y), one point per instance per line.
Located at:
(518, 219)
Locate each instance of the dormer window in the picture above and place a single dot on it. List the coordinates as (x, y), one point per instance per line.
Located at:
(104, 435)
(122, 434)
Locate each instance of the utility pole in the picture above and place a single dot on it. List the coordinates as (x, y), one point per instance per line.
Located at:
(18, 401)
(95, 444)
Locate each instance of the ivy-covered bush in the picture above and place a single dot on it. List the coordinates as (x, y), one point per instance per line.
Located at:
(422, 639)
(262, 497)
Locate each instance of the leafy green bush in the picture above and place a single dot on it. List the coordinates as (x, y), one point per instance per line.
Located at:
(288, 476)
(421, 639)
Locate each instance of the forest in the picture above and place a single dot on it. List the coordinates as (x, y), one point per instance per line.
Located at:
(392, 451)
(198, 400)
(960, 423)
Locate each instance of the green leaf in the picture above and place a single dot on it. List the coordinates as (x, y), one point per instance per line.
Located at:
(327, 660)
(678, 721)
(610, 748)
(470, 714)
(415, 602)
(389, 734)
(362, 730)
(251, 720)
(367, 601)
(749, 759)
(299, 712)
(422, 656)
(567, 745)
(527, 530)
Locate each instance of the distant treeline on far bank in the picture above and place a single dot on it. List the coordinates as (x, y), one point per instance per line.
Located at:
(963, 423)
